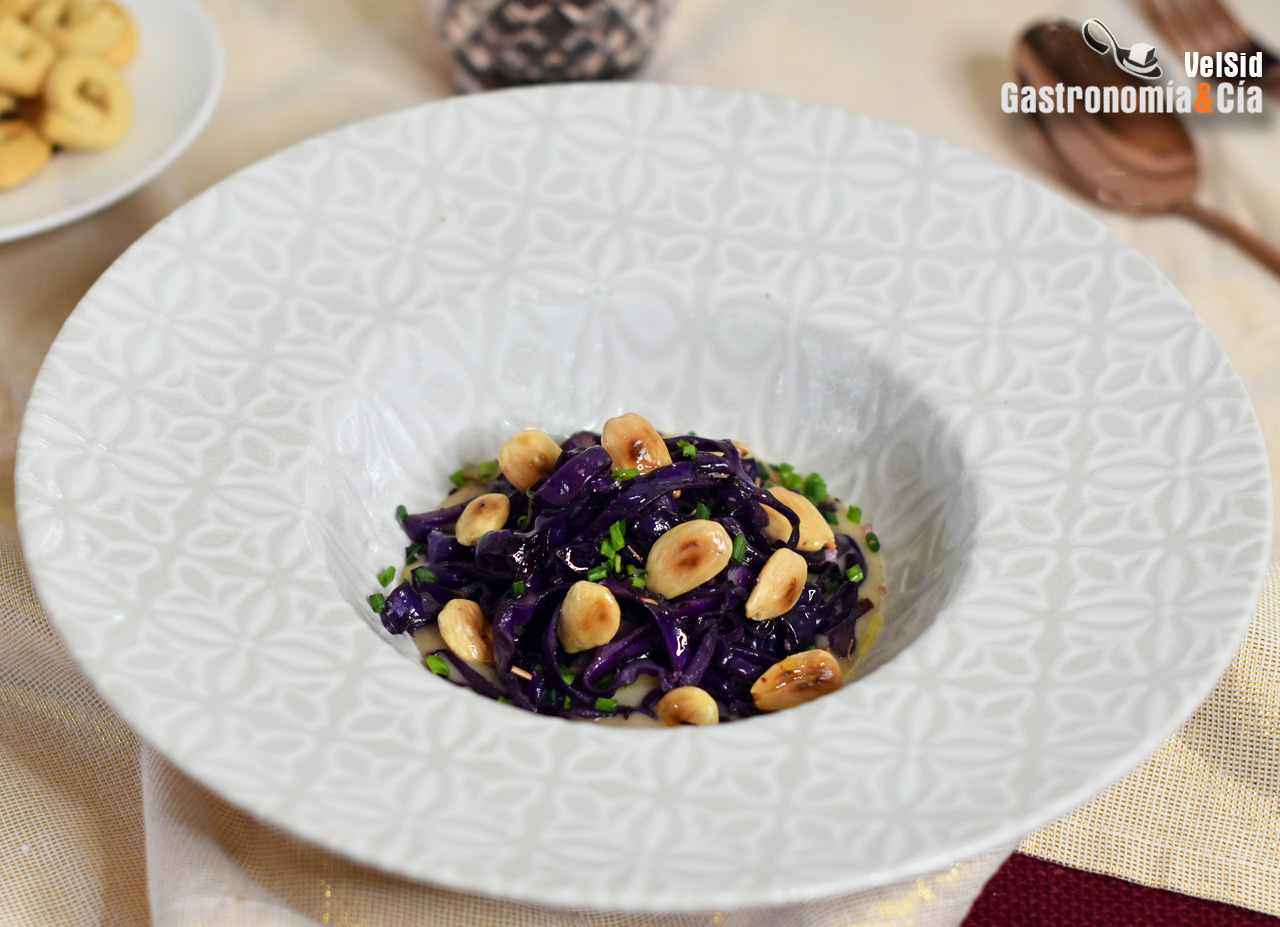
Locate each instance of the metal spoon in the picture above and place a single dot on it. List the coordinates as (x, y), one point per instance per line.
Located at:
(1141, 163)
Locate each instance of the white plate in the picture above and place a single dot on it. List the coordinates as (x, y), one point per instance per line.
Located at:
(175, 82)
(1066, 473)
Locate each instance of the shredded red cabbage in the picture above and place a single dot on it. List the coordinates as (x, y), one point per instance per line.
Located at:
(553, 537)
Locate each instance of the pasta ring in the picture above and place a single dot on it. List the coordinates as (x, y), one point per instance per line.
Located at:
(23, 153)
(86, 104)
(85, 26)
(18, 8)
(25, 58)
(125, 48)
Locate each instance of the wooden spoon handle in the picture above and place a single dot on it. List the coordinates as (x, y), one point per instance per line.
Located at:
(1266, 253)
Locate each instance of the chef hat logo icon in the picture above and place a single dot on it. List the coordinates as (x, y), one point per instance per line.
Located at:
(1139, 60)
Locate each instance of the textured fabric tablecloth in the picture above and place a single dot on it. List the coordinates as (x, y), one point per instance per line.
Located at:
(96, 828)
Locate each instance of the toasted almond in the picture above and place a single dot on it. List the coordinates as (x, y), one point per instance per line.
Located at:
(634, 444)
(483, 514)
(529, 456)
(465, 631)
(794, 680)
(687, 705)
(778, 585)
(687, 556)
(589, 617)
(815, 533)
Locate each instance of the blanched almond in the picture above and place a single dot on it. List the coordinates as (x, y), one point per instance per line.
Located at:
(465, 631)
(634, 444)
(778, 586)
(687, 556)
(589, 617)
(529, 456)
(483, 514)
(687, 705)
(794, 680)
(815, 533)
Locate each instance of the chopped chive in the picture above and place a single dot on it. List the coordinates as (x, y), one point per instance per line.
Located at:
(401, 513)
(617, 563)
(437, 665)
(830, 586)
(854, 573)
(618, 534)
(529, 493)
(522, 521)
(607, 549)
(629, 474)
(598, 573)
(815, 487)
(831, 518)
(873, 542)
(517, 587)
(702, 511)
(637, 582)
(566, 703)
(793, 482)
(488, 470)
(377, 601)
(739, 549)
(386, 576)
(687, 448)
(606, 704)
(503, 700)
(458, 478)
(854, 514)
(423, 575)
(565, 675)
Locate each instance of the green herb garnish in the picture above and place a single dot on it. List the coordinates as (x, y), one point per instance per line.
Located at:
(606, 704)
(488, 470)
(598, 573)
(517, 588)
(377, 601)
(386, 576)
(854, 574)
(423, 575)
(458, 478)
(854, 514)
(831, 518)
(401, 513)
(739, 549)
(629, 474)
(618, 535)
(687, 448)
(437, 665)
(565, 675)
(702, 511)
(873, 542)
(815, 488)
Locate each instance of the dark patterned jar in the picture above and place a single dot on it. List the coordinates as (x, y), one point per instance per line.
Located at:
(501, 43)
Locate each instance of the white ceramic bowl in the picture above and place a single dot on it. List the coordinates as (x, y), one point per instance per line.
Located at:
(1067, 477)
